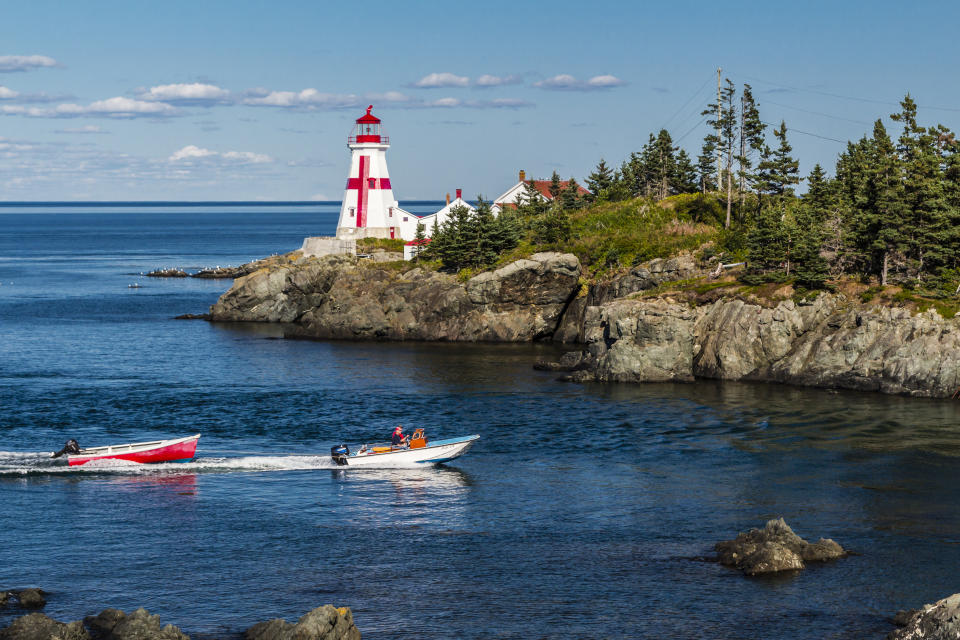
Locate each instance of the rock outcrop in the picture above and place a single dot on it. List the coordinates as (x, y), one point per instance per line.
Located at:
(774, 548)
(821, 342)
(37, 626)
(341, 297)
(937, 621)
(323, 623)
(32, 598)
(113, 624)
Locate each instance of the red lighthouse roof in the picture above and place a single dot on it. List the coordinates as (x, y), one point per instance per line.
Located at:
(367, 118)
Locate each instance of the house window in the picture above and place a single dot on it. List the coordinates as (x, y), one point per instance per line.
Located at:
(373, 183)
(404, 218)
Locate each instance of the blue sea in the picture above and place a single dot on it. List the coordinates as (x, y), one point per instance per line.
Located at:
(584, 511)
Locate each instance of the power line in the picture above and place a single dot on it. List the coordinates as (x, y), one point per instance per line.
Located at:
(807, 133)
(690, 99)
(843, 97)
(816, 113)
(691, 129)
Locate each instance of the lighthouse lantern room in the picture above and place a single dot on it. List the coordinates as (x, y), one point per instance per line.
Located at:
(368, 210)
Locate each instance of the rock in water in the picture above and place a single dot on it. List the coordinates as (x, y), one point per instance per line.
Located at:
(113, 624)
(937, 621)
(774, 548)
(4, 598)
(37, 626)
(32, 598)
(323, 623)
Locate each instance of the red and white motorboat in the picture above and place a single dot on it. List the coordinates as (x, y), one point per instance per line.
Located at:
(176, 450)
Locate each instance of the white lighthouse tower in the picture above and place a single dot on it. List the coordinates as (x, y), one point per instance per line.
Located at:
(368, 210)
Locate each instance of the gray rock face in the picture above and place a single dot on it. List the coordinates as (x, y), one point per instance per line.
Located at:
(824, 342)
(937, 621)
(323, 623)
(774, 548)
(37, 626)
(339, 297)
(113, 624)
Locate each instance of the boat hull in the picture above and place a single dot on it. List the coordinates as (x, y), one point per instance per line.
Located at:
(434, 453)
(144, 452)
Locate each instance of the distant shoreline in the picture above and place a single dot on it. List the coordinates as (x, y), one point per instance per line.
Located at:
(183, 203)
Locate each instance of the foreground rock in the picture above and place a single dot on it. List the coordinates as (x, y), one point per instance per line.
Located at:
(323, 623)
(32, 598)
(342, 297)
(37, 626)
(937, 621)
(774, 548)
(113, 624)
(821, 342)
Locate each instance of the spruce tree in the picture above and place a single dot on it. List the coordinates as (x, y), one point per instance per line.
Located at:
(706, 165)
(600, 180)
(555, 185)
(420, 241)
(725, 123)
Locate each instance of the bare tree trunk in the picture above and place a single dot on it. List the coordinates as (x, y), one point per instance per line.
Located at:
(883, 276)
(729, 196)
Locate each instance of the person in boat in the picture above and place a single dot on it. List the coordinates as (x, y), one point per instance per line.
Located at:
(398, 439)
(72, 447)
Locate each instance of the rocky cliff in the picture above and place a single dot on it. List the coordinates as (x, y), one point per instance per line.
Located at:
(342, 297)
(823, 341)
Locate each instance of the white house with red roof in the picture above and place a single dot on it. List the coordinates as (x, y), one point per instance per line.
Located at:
(511, 195)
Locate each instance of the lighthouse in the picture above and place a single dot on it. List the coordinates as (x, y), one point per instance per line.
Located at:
(368, 209)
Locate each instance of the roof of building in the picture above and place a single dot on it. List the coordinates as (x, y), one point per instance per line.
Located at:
(414, 243)
(542, 187)
(368, 118)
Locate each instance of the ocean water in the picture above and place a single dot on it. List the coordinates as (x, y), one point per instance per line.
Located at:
(584, 511)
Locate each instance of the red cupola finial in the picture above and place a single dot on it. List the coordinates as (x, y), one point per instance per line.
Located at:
(367, 129)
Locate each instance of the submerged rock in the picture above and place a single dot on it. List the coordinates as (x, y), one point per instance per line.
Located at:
(37, 626)
(113, 624)
(32, 598)
(937, 621)
(774, 548)
(323, 623)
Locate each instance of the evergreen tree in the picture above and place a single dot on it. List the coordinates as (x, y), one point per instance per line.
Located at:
(706, 165)
(766, 246)
(751, 141)
(881, 211)
(420, 241)
(570, 199)
(725, 124)
(555, 185)
(777, 169)
(684, 178)
(600, 180)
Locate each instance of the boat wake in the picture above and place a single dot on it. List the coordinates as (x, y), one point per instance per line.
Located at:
(15, 464)
(24, 463)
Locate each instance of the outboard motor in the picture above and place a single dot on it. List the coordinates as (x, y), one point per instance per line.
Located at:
(71, 447)
(339, 453)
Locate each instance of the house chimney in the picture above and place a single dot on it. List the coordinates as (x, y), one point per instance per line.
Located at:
(523, 175)
(448, 197)
(459, 193)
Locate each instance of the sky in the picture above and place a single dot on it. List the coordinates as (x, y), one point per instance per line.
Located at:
(244, 100)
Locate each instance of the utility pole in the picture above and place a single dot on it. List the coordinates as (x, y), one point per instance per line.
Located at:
(719, 139)
(743, 158)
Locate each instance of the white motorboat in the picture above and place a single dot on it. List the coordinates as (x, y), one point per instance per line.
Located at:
(417, 451)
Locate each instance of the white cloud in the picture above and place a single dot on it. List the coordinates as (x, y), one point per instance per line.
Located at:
(11, 96)
(118, 107)
(9, 64)
(308, 98)
(90, 128)
(567, 82)
(191, 153)
(7, 93)
(194, 93)
(444, 79)
(488, 80)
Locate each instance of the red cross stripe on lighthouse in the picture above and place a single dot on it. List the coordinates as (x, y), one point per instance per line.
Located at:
(362, 185)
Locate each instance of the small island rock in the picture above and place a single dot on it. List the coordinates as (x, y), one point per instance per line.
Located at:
(323, 623)
(937, 621)
(774, 548)
(32, 598)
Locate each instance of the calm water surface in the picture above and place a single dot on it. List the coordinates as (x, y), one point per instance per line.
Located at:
(583, 511)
